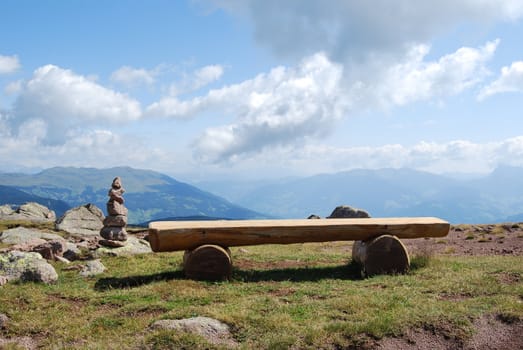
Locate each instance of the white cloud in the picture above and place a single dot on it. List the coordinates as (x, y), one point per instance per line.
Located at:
(356, 31)
(291, 105)
(196, 79)
(131, 77)
(511, 80)
(93, 148)
(284, 106)
(65, 100)
(207, 75)
(458, 156)
(13, 87)
(416, 79)
(9, 64)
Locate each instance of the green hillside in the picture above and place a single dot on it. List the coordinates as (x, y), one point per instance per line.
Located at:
(149, 195)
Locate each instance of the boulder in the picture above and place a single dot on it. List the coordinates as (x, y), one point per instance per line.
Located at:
(348, 212)
(5, 210)
(22, 235)
(214, 331)
(24, 266)
(133, 246)
(86, 220)
(29, 211)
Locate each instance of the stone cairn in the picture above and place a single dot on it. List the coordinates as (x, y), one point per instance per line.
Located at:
(114, 232)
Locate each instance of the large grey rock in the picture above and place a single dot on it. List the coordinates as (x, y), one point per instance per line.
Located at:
(214, 331)
(26, 266)
(22, 235)
(348, 212)
(6, 209)
(29, 211)
(92, 268)
(86, 220)
(132, 246)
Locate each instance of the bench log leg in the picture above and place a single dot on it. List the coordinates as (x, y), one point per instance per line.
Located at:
(384, 254)
(208, 262)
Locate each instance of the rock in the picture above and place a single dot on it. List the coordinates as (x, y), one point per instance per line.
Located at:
(51, 249)
(313, 216)
(29, 211)
(37, 211)
(133, 246)
(62, 259)
(92, 268)
(72, 252)
(22, 235)
(112, 244)
(115, 220)
(348, 212)
(86, 220)
(114, 233)
(6, 209)
(214, 331)
(4, 320)
(26, 246)
(3, 280)
(24, 266)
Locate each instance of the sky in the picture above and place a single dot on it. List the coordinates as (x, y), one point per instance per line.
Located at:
(257, 89)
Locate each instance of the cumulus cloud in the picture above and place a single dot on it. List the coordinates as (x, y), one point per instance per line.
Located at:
(416, 79)
(13, 87)
(280, 107)
(25, 150)
(510, 80)
(130, 77)
(362, 30)
(291, 104)
(9, 64)
(64, 100)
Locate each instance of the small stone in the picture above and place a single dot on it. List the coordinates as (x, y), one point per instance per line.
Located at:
(4, 320)
(92, 268)
(112, 244)
(3, 280)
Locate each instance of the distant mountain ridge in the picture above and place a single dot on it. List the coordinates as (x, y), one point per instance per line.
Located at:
(149, 195)
(497, 197)
(12, 196)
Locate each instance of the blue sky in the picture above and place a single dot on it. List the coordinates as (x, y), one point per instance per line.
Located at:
(257, 89)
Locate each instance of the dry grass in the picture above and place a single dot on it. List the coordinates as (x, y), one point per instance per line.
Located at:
(304, 296)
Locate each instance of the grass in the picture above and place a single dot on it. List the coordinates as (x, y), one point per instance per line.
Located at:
(301, 296)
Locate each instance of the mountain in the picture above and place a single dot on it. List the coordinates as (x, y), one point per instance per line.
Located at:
(149, 195)
(10, 195)
(386, 192)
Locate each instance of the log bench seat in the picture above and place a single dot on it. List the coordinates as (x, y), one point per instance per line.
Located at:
(206, 243)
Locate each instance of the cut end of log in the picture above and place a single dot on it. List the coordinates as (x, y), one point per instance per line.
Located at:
(384, 254)
(208, 262)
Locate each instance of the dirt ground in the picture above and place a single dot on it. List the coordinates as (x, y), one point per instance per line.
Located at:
(491, 331)
(498, 239)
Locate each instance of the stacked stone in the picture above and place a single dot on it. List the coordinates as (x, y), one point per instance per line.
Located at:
(116, 220)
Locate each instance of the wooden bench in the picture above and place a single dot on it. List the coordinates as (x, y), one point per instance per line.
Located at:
(206, 243)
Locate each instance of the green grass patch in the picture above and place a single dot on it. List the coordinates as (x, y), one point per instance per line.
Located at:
(304, 296)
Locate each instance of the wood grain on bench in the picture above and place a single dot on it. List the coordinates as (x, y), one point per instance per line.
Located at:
(185, 235)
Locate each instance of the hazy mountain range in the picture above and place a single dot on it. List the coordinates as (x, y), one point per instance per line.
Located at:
(497, 197)
(150, 195)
